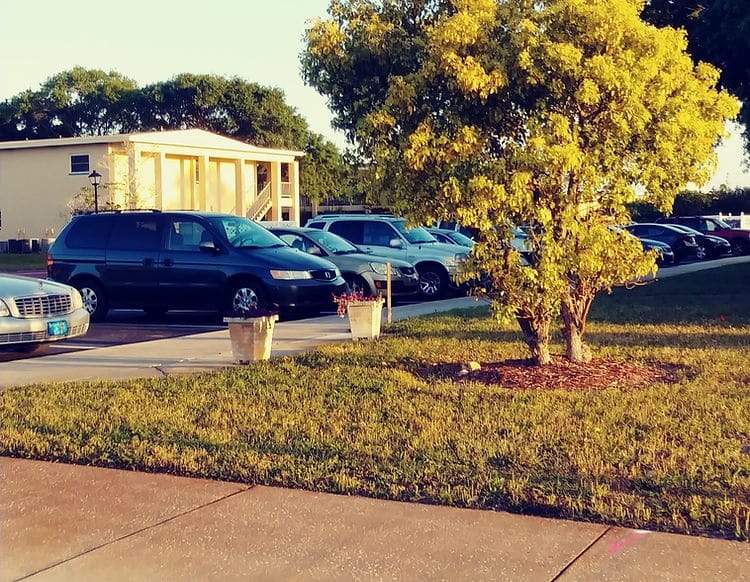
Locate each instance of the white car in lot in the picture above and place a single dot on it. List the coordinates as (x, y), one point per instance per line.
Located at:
(34, 312)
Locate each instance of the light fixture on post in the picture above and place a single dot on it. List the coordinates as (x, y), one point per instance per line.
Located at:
(96, 179)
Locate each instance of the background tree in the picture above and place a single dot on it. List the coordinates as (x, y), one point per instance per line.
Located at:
(84, 102)
(719, 33)
(502, 112)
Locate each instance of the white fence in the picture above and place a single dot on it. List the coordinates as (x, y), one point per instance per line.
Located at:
(740, 220)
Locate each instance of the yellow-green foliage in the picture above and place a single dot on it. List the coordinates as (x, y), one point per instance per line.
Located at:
(549, 114)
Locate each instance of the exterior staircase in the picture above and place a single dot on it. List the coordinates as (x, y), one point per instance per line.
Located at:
(261, 205)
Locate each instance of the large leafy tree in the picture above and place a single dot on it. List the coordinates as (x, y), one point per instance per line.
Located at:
(551, 114)
(84, 102)
(719, 33)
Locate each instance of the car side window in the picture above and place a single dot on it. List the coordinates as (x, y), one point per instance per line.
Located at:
(351, 230)
(378, 234)
(184, 234)
(136, 233)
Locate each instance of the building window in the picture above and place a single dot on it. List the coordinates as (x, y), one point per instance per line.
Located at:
(79, 164)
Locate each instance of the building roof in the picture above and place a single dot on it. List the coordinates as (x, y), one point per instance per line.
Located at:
(197, 138)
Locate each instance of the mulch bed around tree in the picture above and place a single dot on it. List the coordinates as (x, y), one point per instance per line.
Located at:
(560, 374)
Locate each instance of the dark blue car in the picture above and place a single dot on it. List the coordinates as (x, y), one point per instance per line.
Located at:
(157, 261)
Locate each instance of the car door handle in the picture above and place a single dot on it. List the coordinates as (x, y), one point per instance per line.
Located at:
(168, 262)
(148, 262)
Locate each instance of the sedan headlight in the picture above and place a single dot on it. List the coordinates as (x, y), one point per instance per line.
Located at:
(290, 275)
(4, 311)
(76, 299)
(379, 268)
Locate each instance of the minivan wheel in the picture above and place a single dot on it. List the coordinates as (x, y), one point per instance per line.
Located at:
(94, 300)
(432, 283)
(245, 298)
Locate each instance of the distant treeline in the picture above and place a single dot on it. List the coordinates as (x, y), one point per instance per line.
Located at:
(688, 203)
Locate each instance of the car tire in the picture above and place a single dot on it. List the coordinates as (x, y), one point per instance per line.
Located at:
(243, 296)
(433, 282)
(701, 253)
(94, 299)
(739, 247)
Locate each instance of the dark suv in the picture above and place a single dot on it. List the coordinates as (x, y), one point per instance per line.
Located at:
(738, 238)
(157, 261)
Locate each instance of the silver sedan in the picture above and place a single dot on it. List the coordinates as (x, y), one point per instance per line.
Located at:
(34, 312)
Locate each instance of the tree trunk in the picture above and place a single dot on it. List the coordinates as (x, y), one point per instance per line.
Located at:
(573, 327)
(536, 334)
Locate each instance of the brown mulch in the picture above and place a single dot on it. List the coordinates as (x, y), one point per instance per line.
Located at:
(597, 374)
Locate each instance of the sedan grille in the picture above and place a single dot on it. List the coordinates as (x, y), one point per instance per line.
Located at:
(43, 305)
(324, 274)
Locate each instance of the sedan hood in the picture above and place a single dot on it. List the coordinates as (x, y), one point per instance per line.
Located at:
(11, 285)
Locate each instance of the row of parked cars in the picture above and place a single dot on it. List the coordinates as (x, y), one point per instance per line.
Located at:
(164, 260)
(693, 237)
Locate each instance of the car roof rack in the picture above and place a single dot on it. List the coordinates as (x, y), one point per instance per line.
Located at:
(122, 210)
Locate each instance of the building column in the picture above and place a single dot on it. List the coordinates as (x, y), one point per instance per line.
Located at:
(275, 190)
(159, 180)
(240, 202)
(203, 178)
(294, 184)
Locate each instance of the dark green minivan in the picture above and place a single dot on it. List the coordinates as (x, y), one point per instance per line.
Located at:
(166, 260)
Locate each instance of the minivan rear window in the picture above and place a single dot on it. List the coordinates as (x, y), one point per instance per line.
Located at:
(88, 232)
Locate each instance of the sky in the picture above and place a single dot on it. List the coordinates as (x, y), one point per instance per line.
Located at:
(151, 41)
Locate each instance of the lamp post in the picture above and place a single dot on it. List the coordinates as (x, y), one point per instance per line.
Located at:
(96, 179)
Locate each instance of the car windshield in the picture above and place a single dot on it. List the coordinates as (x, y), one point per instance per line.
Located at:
(416, 234)
(462, 239)
(720, 223)
(684, 228)
(333, 243)
(246, 234)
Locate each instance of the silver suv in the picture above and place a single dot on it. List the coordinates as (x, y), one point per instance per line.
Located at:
(387, 235)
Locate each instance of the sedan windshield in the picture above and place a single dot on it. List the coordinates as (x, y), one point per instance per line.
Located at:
(333, 243)
(246, 234)
(413, 235)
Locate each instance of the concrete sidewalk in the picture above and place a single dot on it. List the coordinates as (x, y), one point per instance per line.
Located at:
(67, 522)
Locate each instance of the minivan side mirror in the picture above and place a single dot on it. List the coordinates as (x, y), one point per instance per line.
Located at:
(208, 246)
(395, 243)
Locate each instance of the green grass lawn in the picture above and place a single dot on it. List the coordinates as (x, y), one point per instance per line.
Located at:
(22, 262)
(358, 418)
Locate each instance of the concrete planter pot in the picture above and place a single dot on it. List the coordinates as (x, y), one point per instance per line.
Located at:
(251, 337)
(365, 318)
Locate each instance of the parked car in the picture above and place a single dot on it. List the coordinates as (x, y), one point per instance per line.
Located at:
(519, 236)
(709, 246)
(387, 235)
(362, 271)
(35, 312)
(451, 237)
(738, 238)
(666, 255)
(157, 261)
(683, 244)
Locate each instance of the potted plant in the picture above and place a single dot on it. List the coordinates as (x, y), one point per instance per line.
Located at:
(251, 332)
(365, 313)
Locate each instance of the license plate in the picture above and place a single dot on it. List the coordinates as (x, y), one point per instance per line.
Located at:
(57, 328)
